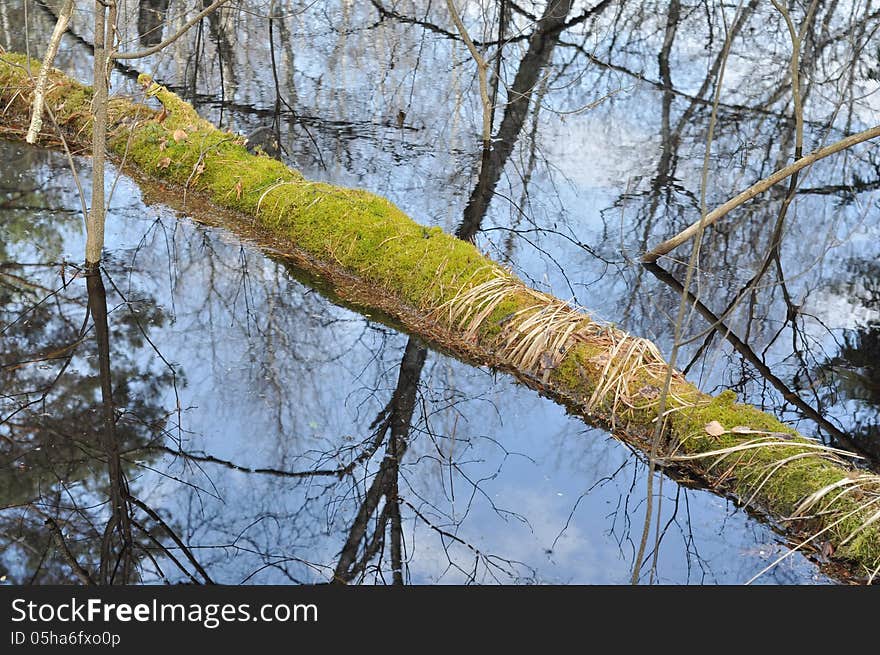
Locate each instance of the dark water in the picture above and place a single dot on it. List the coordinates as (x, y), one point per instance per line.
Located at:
(235, 384)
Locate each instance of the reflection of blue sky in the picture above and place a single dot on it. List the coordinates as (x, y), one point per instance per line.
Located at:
(323, 381)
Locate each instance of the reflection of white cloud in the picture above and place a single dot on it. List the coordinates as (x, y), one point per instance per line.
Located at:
(601, 150)
(868, 107)
(578, 557)
(840, 311)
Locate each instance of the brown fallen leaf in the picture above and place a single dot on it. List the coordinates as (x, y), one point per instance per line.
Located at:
(163, 143)
(649, 392)
(179, 135)
(165, 162)
(714, 428)
(238, 190)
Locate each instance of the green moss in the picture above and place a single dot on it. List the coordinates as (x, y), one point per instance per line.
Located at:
(777, 479)
(578, 372)
(14, 67)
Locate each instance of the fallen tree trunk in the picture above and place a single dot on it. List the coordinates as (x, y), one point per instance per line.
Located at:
(369, 253)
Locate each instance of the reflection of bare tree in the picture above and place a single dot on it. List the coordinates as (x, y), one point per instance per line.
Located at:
(70, 410)
(493, 160)
(117, 559)
(55, 440)
(394, 421)
(59, 443)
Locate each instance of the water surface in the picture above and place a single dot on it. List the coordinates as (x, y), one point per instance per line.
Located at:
(235, 383)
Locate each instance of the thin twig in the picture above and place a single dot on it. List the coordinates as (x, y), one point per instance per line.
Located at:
(78, 570)
(482, 70)
(186, 551)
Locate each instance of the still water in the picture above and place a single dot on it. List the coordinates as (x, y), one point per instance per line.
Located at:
(257, 420)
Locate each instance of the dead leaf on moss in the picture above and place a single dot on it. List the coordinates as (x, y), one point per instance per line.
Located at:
(238, 190)
(649, 392)
(715, 429)
(163, 143)
(165, 162)
(179, 135)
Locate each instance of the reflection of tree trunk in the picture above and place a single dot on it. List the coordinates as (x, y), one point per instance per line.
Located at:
(225, 51)
(118, 568)
(151, 19)
(669, 138)
(493, 160)
(400, 408)
(193, 64)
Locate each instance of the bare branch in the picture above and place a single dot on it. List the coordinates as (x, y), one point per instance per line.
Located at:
(482, 71)
(48, 60)
(183, 547)
(78, 570)
(756, 189)
(140, 54)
